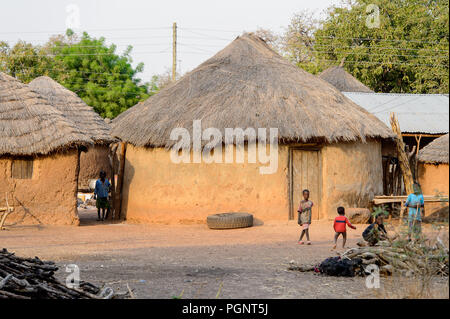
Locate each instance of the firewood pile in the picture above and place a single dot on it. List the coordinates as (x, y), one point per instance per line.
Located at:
(405, 259)
(400, 257)
(32, 278)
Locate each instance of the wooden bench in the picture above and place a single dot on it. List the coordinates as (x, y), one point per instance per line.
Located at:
(379, 200)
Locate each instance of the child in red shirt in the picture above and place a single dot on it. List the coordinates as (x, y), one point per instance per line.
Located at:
(340, 226)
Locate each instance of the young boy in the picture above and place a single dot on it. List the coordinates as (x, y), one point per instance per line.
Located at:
(101, 194)
(340, 226)
(304, 216)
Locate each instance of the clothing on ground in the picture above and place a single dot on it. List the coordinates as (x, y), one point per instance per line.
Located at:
(340, 224)
(102, 188)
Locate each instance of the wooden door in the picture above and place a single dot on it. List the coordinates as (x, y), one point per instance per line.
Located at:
(306, 174)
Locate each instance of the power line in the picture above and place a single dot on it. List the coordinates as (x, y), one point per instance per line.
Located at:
(378, 39)
(82, 54)
(204, 35)
(213, 30)
(383, 54)
(87, 30)
(376, 47)
(380, 63)
(377, 106)
(392, 108)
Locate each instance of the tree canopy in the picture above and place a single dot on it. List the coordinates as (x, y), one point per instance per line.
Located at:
(87, 66)
(394, 46)
(389, 45)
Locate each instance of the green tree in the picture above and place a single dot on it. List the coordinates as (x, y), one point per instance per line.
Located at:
(104, 79)
(407, 51)
(297, 42)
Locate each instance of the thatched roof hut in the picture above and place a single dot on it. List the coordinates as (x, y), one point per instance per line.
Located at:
(327, 143)
(74, 108)
(87, 120)
(433, 172)
(247, 84)
(436, 152)
(29, 125)
(342, 80)
(39, 157)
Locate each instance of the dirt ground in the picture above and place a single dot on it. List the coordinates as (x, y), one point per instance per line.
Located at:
(163, 261)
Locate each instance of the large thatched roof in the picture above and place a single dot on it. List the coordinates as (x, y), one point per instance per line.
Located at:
(342, 80)
(73, 107)
(29, 125)
(436, 152)
(248, 85)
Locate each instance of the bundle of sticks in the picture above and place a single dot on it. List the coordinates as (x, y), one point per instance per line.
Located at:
(406, 258)
(32, 278)
(401, 257)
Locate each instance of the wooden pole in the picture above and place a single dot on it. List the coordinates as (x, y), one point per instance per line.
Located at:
(123, 149)
(111, 157)
(402, 156)
(416, 173)
(174, 52)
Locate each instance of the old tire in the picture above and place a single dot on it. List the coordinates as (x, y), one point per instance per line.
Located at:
(229, 220)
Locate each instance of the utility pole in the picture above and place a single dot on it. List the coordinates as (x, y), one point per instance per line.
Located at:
(174, 52)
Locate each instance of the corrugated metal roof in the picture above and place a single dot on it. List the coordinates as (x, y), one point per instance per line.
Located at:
(417, 113)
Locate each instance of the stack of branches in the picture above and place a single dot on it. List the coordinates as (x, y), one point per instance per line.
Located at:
(400, 256)
(403, 257)
(32, 278)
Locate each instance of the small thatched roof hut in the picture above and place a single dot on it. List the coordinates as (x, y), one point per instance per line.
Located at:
(436, 152)
(39, 156)
(433, 171)
(74, 108)
(31, 126)
(87, 120)
(248, 85)
(342, 80)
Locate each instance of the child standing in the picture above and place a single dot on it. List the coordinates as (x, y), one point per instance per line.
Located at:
(304, 216)
(340, 226)
(101, 195)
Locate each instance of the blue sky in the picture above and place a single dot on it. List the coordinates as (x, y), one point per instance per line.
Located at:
(204, 27)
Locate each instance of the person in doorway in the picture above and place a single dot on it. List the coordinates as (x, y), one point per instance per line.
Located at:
(101, 195)
(340, 227)
(304, 216)
(415, 204)
(375, 231)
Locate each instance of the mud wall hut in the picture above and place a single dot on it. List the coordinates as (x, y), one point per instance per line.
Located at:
(75, 109)
(326, 143)
(39, 157)
(433, 167)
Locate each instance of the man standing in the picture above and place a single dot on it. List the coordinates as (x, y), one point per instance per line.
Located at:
(415, 203)
(101, 194)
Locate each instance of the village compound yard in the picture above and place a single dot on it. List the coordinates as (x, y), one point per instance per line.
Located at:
(192, 261)
(236, 150)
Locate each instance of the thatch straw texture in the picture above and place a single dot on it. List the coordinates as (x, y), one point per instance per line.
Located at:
(342, 80)
(436, 152)
(74, 108)
(29, 125)
(248, 85)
